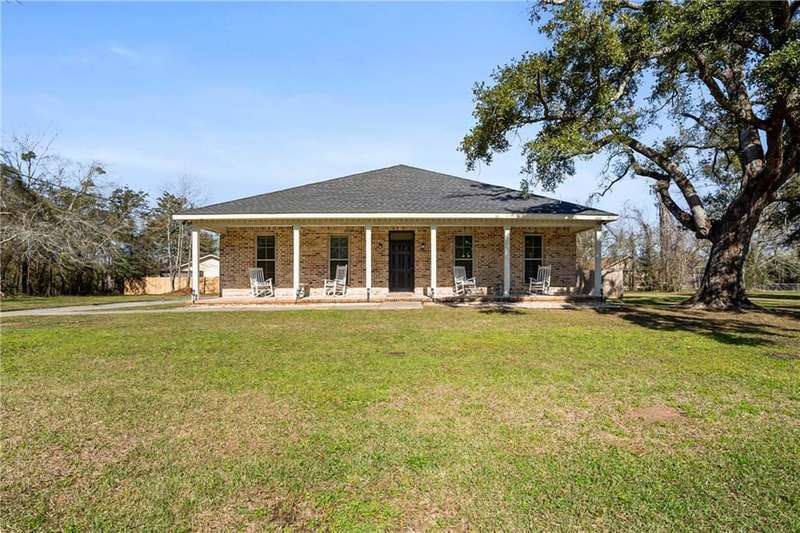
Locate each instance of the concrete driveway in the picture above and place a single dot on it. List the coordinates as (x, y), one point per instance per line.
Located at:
(86, 309)
(131, 307)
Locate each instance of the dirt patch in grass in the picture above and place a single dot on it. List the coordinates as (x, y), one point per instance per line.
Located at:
(786, 356)
(256, 509)
(239, 425)
(655, 413)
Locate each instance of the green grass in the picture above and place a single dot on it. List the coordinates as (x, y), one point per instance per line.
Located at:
(18, 303)
(434, 419)
(771, 299)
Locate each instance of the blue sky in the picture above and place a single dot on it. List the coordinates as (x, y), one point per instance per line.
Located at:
(252, 97)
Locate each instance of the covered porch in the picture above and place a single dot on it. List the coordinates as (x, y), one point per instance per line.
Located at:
(400, 259)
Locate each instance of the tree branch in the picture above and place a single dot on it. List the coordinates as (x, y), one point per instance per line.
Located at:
(611, 184)
(699, 120)
(740, 111)
(686, 220)
(540, 94)
(662, 189)
(700, 223)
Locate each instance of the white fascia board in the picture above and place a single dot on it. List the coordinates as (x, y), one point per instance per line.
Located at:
(437, 216)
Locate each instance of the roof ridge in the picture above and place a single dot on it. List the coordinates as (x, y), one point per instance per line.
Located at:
(299, 186)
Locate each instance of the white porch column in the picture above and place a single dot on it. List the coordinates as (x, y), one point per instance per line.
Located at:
(434, 281)
(597, 290)
(506, 261)
(296, 259)
(368, 247)
(195, 264)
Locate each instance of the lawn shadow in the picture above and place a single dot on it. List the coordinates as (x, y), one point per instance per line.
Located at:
(737, 329)
(791, 313)
(499, 308)
(490, 308)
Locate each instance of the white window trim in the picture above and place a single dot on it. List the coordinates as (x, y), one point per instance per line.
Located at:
(274, 259)
(525, 259)
(328, 264)
(472, 259)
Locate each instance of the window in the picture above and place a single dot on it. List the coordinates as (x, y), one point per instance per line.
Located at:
(265, 255)
(533, 256)
(338, 255)
(464, 253)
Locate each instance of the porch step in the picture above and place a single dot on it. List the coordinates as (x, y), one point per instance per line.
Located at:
(400, 297)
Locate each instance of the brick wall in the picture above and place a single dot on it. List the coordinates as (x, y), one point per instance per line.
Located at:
(315, 255)
(238, 253)
(560, 251)
(487, 252)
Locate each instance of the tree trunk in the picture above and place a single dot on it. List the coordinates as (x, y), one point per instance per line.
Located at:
(722, 287)
(24, 280)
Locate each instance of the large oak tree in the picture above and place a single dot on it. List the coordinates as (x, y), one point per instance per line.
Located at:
(693, 96)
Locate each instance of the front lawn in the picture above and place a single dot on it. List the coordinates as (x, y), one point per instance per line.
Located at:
(634, 418)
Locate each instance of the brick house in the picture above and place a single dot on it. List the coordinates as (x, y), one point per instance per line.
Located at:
(399, 230)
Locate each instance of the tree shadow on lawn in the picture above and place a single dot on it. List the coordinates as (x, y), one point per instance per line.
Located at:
(500, 309)
(736, 329)
(488, 308)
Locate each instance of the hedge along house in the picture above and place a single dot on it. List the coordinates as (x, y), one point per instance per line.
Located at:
(400, 230)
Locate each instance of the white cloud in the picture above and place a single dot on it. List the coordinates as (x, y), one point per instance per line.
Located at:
(125, 52)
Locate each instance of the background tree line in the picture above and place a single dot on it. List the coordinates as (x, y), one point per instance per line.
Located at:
(65, 230)
(658, 254)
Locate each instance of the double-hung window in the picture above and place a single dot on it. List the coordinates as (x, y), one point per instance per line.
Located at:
(338, 254)
(533, 256)
(265, 255)
(463, 253)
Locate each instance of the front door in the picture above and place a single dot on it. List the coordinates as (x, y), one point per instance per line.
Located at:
(401, 261)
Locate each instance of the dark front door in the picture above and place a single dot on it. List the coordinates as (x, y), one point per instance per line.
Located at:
(401, 261)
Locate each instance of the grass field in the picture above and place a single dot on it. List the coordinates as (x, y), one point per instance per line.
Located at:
(634, 418)
(18, 303)
(769, 300)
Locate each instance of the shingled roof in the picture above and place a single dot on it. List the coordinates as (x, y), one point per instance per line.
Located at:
(397, 189)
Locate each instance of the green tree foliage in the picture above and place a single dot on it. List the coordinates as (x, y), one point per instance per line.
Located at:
(696, 95)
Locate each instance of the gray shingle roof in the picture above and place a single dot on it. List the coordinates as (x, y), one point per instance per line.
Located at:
(397, 189)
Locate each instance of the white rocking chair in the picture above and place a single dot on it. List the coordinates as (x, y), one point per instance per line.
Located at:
(461, 283)
(541, 283)
(338, 285)
(258, 285)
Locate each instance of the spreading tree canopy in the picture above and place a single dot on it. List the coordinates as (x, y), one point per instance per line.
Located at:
(701, 95)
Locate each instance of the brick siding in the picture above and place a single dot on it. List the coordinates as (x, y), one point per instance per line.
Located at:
(560, 251)
(238, 253)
